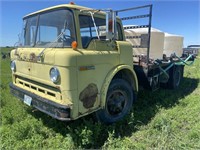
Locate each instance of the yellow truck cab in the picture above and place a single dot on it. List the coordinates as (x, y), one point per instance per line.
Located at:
(74, 61)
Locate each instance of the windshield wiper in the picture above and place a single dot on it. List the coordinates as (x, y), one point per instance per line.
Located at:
(57, 38)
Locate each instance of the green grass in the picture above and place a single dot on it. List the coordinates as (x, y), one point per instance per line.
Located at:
(165, 119)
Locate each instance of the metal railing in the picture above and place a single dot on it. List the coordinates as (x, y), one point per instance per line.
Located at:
(146, 15)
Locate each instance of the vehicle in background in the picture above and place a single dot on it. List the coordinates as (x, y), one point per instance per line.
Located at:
(191, 49)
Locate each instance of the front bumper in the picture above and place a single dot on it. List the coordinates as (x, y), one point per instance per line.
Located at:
(57, 111)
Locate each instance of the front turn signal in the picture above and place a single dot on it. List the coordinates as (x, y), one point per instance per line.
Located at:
(74, 45)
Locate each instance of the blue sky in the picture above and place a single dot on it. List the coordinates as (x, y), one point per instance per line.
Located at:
(176, 17)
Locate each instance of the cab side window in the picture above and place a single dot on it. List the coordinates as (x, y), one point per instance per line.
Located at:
(88, 31)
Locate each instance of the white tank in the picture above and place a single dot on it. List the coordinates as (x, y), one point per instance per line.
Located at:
(173, 44)
(156, 42)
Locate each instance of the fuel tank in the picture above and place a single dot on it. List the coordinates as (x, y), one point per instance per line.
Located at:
(173, 44)
(140, 44)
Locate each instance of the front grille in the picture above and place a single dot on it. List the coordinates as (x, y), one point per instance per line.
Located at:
(39, 89)
(58, 111)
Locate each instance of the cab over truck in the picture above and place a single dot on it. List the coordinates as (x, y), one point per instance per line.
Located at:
(73, 61)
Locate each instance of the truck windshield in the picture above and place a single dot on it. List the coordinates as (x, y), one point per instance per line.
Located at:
(50, 29)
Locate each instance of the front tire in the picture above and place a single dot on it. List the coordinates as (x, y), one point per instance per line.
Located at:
(119, 101)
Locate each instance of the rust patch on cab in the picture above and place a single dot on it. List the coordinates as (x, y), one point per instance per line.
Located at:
(33, 57)
(88, 95)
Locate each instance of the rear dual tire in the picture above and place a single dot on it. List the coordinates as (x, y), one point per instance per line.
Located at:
(175, 77)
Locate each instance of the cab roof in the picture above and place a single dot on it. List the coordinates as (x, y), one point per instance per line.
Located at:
(70, 6)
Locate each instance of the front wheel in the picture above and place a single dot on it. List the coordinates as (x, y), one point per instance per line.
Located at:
(119, 101)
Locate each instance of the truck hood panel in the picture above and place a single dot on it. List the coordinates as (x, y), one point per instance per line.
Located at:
(30, 68)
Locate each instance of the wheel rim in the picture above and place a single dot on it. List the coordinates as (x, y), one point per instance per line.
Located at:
(177, 77)
(116, 102)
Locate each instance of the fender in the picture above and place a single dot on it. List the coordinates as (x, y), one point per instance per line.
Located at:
(109, 77)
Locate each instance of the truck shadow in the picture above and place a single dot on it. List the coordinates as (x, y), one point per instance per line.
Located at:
(148, 103)
(87, 133)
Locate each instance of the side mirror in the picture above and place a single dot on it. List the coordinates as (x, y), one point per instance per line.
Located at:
(110, 25)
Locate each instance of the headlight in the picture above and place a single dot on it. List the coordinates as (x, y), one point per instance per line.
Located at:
(13, 66)
(54, 75)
